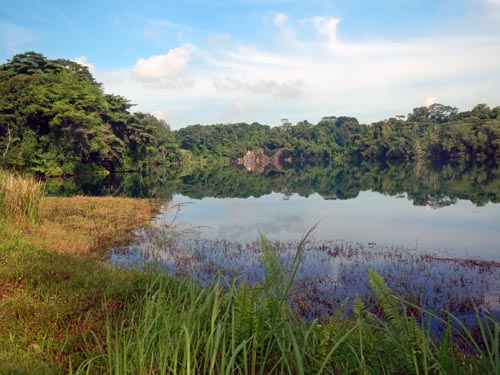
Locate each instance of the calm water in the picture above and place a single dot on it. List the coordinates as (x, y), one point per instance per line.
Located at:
(414, 224)
(462, 229)
(451, 210)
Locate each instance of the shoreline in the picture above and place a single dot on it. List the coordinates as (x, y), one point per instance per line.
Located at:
(62, 306)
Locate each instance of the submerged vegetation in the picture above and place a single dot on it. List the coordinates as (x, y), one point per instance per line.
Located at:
(332, 273)
(64, 311)
(226, 328)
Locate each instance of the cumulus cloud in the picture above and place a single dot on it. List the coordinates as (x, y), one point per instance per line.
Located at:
(167, 69)
(236, 109)
(370, 78)
(163, 115)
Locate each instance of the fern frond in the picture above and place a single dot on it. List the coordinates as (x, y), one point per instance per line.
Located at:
(273, 269)
(385, 299)
(277, 279)
(245, 312)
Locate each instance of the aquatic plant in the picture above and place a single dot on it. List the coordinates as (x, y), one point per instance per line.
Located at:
(330, 272)
(231, 327)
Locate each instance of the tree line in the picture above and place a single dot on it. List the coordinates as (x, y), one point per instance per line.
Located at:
(55, 119)
(437, 133)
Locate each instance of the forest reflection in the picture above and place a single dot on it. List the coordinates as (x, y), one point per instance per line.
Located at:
(432, 185)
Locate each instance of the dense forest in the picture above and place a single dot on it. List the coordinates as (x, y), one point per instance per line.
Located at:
(55, 119)
(437, 132)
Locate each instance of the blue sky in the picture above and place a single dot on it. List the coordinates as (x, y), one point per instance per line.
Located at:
(197, 61)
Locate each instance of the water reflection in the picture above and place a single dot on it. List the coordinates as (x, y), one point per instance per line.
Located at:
(410, 223)
(440, 208)
(433, 186)
(462, 229)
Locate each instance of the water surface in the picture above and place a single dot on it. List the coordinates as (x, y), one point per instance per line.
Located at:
(418, 226)
(462, 229)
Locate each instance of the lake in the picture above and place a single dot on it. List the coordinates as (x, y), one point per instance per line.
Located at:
(418, 225)
(452, 210)
(462, 229)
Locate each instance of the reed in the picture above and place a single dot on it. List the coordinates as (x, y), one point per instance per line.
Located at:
(19, 197)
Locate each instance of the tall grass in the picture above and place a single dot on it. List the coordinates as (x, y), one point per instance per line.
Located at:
(227, 328)
(19, 197)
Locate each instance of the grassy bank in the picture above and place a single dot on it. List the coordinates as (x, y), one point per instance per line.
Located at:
(55, 293)
(63, 310)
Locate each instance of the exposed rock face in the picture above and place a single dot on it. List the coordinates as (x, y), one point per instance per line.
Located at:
(257, 160)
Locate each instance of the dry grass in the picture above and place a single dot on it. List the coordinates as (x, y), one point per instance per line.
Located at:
(19, 197)
(89, 225)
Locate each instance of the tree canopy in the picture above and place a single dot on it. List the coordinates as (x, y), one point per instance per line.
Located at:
(55, 119)
(438, 132)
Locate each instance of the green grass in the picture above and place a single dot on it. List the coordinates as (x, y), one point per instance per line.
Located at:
(53, 306)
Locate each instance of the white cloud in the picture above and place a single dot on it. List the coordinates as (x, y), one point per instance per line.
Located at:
(281, 22)
(167, 69)
(111, 77)
(235, 110)
(325, 26)
(83, 60)
(494, 10)
(430, 100)
(163, 115)
(285, 89)
(320, 73)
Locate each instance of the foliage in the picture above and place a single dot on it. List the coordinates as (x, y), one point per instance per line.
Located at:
(435, 185)
(437, 132)
(56, 120)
